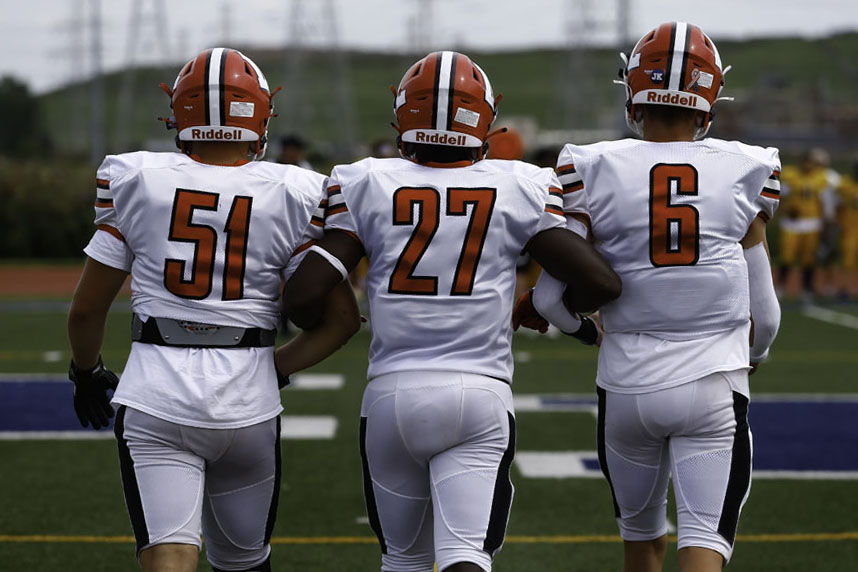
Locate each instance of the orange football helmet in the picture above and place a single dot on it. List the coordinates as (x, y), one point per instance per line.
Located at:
(444, 99)
(506, 143)
(221, 95)
(674, 64)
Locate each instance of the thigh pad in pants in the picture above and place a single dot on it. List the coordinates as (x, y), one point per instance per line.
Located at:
(697, 432)
(180, 481)
(437, 450)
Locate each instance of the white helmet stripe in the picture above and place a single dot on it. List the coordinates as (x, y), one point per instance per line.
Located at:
(490, 95)
(263, 83)
(214, 79)
(442, 102)
(715, 51)
(677, 51)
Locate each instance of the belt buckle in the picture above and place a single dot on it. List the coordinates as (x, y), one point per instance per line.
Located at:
(198, 328)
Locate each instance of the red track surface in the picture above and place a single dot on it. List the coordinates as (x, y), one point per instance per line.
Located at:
(40, 280)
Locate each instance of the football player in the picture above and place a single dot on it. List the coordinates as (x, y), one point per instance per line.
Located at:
(442, 229)
(682, 221)
(807, 194)
(207, 234)
(847, 219)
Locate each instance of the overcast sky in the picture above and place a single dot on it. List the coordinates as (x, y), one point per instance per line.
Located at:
(47, 43)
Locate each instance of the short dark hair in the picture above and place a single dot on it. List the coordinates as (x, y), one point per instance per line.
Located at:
(670, 113)
(425, 153)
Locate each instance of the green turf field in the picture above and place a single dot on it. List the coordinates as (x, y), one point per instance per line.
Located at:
(62, 506)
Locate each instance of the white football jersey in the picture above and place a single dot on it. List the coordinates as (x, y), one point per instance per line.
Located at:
(668, 217)
(442, 245)
(207, 244)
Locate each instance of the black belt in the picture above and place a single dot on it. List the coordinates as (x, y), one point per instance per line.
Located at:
(186, 334)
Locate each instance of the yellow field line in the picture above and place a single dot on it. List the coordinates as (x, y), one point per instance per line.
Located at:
(549, 539)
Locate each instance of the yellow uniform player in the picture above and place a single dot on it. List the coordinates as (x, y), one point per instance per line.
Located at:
(847, 219)
(803, 190)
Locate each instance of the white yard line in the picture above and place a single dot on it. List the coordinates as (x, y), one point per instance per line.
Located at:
(830, 316)
(586, 403)
(316, 381)
(570, 464)
(294, 428)
(301, 381)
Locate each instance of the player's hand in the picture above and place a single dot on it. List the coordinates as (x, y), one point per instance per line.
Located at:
(524, 314)
(598, 321)
(91, 403)
(590, 332)
(754, 366)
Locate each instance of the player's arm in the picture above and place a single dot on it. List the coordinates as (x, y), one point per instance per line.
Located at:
(326, 264)
(98, 286)
(765, 310)
(590, 281)
(576, 278)
(340, 320)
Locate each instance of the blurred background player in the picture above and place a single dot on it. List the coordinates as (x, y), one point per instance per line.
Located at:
(682, 221)
(442, 230)
(207, 235)
(847, 220)
(382, 149)
(293, 151)
(807, 195)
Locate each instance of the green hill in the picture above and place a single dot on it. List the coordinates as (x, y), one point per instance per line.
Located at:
(790, 92)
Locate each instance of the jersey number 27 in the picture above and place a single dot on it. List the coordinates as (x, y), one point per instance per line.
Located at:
(428, 202)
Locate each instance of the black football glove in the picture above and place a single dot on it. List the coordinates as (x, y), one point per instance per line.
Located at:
(282, 380)
(588, 333)
(91, 403)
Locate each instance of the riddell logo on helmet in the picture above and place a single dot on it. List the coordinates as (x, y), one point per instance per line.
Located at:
(219, 135)
(673, 99)
(440, 139)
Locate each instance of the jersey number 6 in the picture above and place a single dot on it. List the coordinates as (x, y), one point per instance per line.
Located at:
(674, 230)
(204, 239)
(428, 201)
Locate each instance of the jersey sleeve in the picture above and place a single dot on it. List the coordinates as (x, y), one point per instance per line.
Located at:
(572, 183)
(552, 211)
(313, 232)
(550, 199)
(767, 199)
(337, 214)
(107, 245)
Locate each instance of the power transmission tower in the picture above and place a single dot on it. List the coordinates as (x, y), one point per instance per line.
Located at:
(96, 107)
(313, 29)
(147, 25)
(577, 77)
(421, 26)
(75, 53)
(589, 23)
(624, 44)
